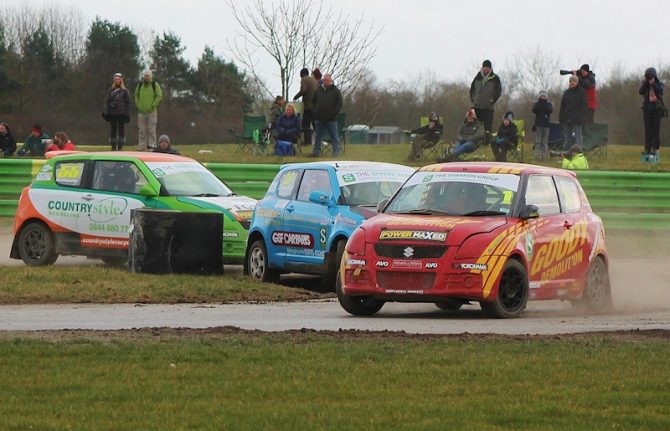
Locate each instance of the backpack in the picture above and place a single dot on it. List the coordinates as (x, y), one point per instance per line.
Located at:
(153, 86)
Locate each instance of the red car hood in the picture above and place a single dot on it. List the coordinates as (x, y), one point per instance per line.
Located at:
(424, 228)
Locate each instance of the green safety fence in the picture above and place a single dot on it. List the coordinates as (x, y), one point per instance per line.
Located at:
(625, 200)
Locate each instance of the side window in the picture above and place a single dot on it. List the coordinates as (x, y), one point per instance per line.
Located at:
(287, 182)
(541, 192)
(314, 180)
(69, 173)
(117, 176)
(569, 194)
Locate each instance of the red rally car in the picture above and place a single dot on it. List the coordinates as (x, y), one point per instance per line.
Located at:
(496, 233)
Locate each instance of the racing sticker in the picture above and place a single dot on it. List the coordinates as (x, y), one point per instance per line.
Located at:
(407, 264)
(419, 235)
(470, 266)
(293, 239)
(103, 242)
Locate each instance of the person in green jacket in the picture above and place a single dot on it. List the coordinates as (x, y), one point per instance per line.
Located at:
(574, 159)
(148, 96)
(35, 143)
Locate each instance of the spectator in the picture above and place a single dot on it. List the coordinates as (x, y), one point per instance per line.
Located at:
(164, 146)
(587, 80)
(653, 109)
(542, 110)
(288, 125)
(470, 136)
(506, 139)
(485, 91)
(574, 159)
(431, 135)
(276, 110)
(7, 141)
(327, 104)
(148, 96)
(35, 143)
(316, 74)
(61, 142)
(571, 115)
(117, 112)
(307, 89)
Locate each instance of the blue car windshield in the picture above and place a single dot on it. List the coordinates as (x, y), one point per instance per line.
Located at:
(367, 194)
(188, 179)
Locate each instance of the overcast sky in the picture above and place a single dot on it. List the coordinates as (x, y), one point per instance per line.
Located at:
(448, 39)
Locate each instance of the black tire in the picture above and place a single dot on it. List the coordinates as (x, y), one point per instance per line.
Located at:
(597, 294)
(512, 292)
(334, 261)
(450, 304)
(258, 264)
(36, 245)
(357, 305)
(115, 261)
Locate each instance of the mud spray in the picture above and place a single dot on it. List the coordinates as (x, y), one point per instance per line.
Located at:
(639, 269)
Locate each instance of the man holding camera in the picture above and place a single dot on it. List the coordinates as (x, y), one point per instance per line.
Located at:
(35, 143)
(587, 81)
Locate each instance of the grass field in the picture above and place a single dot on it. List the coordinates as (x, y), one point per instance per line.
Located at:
(187, 379)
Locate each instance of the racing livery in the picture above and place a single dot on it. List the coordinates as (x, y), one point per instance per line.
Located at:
(495, 233)
(309, 212)
(79, 204)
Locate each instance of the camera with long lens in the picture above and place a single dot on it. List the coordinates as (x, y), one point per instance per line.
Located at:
(565, 72)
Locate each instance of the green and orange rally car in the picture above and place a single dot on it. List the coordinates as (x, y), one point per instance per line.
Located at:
(79, 204)
(494, 233)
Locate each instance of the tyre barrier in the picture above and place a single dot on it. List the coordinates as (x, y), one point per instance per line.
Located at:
(166, 242)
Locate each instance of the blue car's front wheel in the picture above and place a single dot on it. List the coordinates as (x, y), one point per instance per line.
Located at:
(258, 263)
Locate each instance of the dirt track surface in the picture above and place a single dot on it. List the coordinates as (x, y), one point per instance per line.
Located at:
(639, 269)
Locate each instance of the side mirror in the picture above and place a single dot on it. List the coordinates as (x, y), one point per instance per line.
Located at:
(147, 190)
(381, 205)
(320, 198)
(530, 211)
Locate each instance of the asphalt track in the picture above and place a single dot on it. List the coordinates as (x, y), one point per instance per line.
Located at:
(641, 293)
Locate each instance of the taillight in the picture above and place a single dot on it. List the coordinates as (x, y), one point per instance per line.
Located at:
(356, 243)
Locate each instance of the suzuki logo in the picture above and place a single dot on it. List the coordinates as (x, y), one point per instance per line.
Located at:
(408, 252)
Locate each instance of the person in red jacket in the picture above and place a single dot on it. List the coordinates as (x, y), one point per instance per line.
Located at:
(61, 142)
(587, 80)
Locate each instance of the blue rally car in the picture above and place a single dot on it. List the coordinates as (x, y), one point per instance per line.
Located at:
(309, 212)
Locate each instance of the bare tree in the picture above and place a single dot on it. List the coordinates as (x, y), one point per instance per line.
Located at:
(65, 28)
(533, 71)
(303, 33)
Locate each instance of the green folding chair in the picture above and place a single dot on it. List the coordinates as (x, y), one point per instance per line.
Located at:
(594, 140)
(245, 140)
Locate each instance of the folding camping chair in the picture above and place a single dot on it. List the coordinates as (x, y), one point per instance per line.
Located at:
(594, 140)
(432, 152)
(245, 140)
(515, 154)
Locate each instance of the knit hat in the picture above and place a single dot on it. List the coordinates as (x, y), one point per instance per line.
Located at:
(573, 78)
(486, 63)
(119, 74)
(509, 115)
(147, 72)
(585, 68)
(164, 138)
(576, 149)
(37, 129)
(304, 72)
(543, 93)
